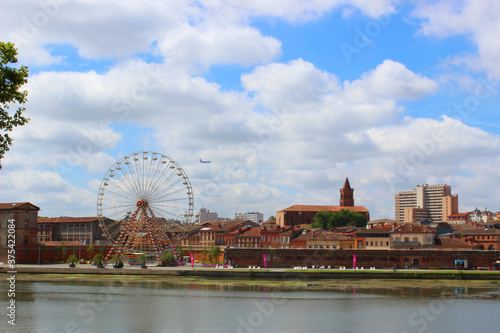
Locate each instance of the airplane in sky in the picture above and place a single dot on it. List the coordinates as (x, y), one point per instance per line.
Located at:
(201, 161)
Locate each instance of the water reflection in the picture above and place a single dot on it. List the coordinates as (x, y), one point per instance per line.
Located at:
(135, 305)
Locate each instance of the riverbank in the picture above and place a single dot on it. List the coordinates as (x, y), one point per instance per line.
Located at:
(245, 273)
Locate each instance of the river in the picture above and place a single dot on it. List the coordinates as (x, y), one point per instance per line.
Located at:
(51, 303)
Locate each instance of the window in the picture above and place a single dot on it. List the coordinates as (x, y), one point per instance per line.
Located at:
(371, 243)
(387, 243)
(415, 239)
(407, 239)
(366, 243)
(398, 239)
(376, 243)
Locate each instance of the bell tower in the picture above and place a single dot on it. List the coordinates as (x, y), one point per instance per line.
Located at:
(347, 195)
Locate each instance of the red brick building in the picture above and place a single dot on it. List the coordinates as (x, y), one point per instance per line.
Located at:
(85, 230)
(24, 216)
(244, 237)
(304, 214)
(484, 239)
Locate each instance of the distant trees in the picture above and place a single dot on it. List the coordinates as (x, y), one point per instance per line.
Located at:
(328, 220)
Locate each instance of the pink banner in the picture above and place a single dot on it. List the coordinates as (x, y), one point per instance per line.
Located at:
(192, 260)
(265, 261)
(353, 261)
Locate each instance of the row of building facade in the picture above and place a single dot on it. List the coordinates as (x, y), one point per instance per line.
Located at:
(427, 204)
(382, 235)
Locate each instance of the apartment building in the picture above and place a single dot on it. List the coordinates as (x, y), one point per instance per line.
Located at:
(426, 202)
(205, 215)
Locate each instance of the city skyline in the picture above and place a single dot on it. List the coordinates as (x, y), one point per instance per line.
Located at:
(286, 101)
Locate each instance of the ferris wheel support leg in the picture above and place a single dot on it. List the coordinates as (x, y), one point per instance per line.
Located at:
(153, 238)
(122, 234)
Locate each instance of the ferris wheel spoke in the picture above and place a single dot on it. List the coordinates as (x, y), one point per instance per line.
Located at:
(127, 207)
(125, 180)
(118, 215)
(170, 201)
(170, 213)
(120, 195)
(172, 192)
(134, 175)
(151, 174)
(123, 183)
(158, 176)
(115, 223)
(168, 188)
(158, 186)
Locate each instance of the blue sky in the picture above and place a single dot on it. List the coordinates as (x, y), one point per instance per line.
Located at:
(285, 100)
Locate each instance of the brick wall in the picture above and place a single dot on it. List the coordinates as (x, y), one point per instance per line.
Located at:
(364, 258)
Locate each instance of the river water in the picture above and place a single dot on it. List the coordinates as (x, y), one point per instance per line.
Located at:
(85, 304)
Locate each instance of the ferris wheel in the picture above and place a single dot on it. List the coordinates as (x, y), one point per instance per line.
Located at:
(144, 203)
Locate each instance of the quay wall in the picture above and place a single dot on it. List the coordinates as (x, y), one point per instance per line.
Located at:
(240, 273)
(421, 258)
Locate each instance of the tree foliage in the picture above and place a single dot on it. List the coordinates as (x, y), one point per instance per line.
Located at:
(11, 79)
(98, 259)
(215, 252)
(328, 220)
(167, 258)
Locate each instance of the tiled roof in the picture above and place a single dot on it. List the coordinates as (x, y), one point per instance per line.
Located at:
(328, 236)
(249, 232)
(478, 231)
(225, 221)
(66, 243)
(453, 242)
(459, 214)
(409, 228)
(67, 219)
(379, 230)
(314, 208)
(382, 221)
(17, 205)
(302, 237)
(225, 227)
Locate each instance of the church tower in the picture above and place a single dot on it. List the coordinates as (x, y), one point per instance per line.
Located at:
(347, 195)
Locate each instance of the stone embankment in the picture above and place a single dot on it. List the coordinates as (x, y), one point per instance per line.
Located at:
(245, 273)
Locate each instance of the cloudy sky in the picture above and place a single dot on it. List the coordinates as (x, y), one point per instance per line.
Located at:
(285, 97)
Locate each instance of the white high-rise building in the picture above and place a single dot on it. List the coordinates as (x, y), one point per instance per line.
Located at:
(254, 217)
(426, 202)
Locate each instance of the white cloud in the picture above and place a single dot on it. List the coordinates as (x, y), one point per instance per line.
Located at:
(208, 44)
(291, 136)
(391, 80)
(49, 191)
(478, 20)
(302, 10)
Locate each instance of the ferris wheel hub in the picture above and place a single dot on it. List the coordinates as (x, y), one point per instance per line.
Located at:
(141, 203)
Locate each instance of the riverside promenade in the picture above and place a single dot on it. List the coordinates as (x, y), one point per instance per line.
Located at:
(256, 273)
